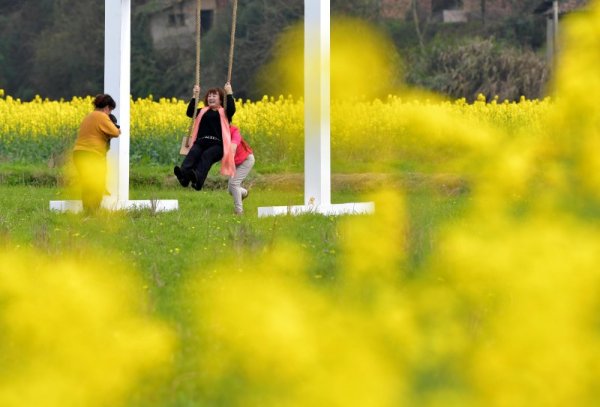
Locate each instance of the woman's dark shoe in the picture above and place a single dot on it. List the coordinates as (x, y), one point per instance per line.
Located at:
(191, 174)
(181, 177)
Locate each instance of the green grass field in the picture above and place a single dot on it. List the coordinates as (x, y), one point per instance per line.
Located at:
(166, 249)
(202, 230)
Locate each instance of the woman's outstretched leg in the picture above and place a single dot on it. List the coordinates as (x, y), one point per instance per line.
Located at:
(235, 183)
(209, 156)
(184, 173)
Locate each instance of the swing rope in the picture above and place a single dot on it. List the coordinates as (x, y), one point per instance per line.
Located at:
(196, 97)
(232, 40)
(230, 64)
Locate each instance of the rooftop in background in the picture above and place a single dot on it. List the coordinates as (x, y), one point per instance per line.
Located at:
(447, 10)
(566, 6)
(160, 5)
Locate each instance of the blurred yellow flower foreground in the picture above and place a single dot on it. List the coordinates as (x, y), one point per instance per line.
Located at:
(502, 312)
(73, 333)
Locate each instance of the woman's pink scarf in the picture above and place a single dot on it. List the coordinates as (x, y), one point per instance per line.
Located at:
(227, 164)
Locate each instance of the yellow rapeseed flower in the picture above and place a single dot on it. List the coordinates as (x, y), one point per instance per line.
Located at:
(73, 334)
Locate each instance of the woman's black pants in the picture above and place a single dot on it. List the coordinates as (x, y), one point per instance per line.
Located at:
(200, 159)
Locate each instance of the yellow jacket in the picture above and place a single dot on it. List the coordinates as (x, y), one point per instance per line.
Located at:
(95, 132)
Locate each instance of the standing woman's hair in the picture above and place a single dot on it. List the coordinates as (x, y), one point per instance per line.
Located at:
(102, 100)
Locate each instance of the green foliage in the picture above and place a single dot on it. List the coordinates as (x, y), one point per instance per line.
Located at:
(526, 31)
(403, 35)
(146, 73)
(259, 26)
(65, 60)
(55, 48)
(20, 26)
(481, 67)
(366, 9)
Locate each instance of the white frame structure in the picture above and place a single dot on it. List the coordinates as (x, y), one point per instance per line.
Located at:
(317, 128)
(317, 160)
(117, 62)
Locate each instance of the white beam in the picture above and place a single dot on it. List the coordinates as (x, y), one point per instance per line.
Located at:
(333, 209)
(154, 205)
(117, 73)
(117, 78)
(317, 121)
(317, 127)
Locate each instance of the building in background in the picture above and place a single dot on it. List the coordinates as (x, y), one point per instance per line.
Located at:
(173, 22)
(447, 11)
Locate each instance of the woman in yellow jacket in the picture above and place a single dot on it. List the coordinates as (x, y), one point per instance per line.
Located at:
(89, 153)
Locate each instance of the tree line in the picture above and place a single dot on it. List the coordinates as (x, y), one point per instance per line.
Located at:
(56, 49)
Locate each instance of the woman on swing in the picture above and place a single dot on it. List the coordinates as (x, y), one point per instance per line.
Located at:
(210, 138)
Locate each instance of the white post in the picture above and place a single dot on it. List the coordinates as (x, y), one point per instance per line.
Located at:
(117, 40)
(117, 77)
(550, 41)
(317, 125)
(317, 128)
(554, 31)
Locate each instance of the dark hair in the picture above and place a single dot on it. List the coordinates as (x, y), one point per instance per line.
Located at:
(221, 93)
(102, 100)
